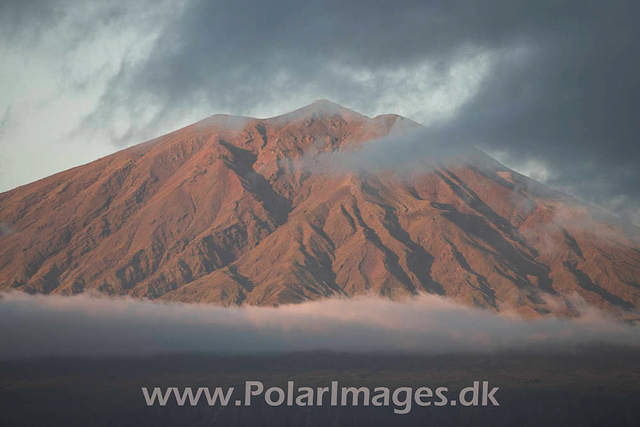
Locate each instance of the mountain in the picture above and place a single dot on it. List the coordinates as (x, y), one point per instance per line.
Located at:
(225, 211)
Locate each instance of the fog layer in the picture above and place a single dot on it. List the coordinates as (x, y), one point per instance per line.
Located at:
(85, 325)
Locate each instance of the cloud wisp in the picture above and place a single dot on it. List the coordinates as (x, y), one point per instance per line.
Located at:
(83, 325)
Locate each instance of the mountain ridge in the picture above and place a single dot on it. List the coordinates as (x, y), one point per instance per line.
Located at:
(221, 211)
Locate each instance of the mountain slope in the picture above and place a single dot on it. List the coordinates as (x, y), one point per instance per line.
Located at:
(224, 211)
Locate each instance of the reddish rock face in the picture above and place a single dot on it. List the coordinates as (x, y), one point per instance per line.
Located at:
(224, 211)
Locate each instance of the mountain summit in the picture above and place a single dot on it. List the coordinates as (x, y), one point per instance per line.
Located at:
(223, 211)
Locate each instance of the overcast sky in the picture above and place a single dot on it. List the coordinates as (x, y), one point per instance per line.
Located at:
(549, 88)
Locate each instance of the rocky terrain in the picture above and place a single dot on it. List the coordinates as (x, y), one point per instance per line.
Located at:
(225, 211)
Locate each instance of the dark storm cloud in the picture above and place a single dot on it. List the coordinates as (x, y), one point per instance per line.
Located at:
(571, 100)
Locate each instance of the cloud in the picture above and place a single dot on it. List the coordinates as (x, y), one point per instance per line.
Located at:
(57, 60)
(285, 55)
(552, 87)
(84, 325)
(554, 84)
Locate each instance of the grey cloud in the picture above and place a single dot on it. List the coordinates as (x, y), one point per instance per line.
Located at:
(571, 101)
(29, 21)
(84, 325)
(20, 18)
(406, 150)
(236, 55)
(562, 85)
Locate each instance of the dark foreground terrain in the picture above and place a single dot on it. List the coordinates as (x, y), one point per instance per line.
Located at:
(589, 386)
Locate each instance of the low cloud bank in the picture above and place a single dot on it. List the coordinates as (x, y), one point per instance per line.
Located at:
(84, 325)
